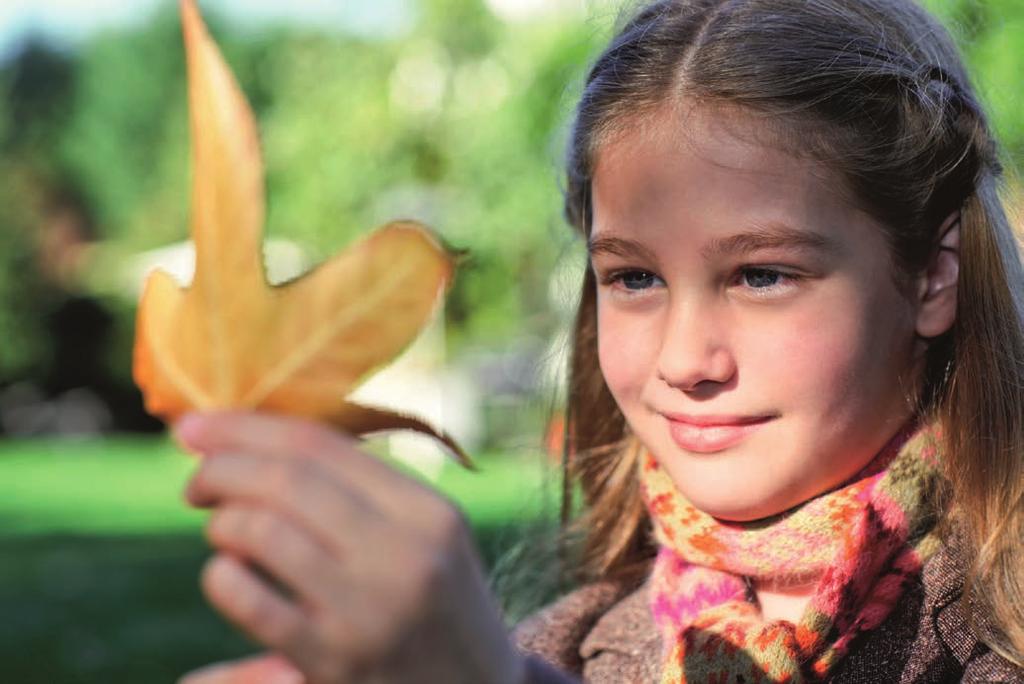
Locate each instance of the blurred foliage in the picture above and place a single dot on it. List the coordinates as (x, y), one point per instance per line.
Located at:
(458, 122)
(991, 36)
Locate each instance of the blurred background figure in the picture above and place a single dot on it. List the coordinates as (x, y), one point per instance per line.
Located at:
(72, 390)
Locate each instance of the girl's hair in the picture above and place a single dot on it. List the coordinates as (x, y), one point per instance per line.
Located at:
(876, 91)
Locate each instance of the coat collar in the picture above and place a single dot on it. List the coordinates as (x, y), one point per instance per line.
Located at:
(626, 629)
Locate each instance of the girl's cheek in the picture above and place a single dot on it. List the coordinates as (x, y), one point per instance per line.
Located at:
(627, 350)
(811, 356)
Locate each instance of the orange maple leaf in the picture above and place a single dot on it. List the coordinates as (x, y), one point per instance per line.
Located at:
(230, 339)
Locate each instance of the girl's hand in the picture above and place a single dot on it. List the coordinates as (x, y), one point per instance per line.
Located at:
(378, 578)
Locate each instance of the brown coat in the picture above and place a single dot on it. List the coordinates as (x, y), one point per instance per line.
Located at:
(604, 634)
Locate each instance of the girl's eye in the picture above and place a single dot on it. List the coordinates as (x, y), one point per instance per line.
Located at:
(636, 280)
(632, 282)
(766, 281)
(759, 278)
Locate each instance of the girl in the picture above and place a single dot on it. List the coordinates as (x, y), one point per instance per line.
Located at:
(795, 410)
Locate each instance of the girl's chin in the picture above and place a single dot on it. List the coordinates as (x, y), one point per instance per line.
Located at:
(720, 497)
(763, 500)
(733, 484)
(731, 512)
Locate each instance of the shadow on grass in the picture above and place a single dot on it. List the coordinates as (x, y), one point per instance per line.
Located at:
(92, 609)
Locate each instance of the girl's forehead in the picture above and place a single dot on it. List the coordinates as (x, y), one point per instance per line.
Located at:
(715, 174)
(720, 137)
(700, 160)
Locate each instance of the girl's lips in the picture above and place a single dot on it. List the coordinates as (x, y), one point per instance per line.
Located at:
(708, 434)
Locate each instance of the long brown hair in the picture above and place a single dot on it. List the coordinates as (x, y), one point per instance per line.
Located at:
(876, 90)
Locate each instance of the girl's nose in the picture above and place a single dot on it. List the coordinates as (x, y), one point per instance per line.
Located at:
(694, 350)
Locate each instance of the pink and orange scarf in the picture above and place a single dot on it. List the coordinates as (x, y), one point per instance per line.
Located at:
(865, 539)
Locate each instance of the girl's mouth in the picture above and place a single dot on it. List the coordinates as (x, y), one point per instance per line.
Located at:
(711, 433)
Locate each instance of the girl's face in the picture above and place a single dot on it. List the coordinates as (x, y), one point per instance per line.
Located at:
(749, 325)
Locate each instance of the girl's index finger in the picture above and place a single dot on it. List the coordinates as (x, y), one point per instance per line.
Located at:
(253, 432)
(330, 454)
(273, 479)
(266, 434)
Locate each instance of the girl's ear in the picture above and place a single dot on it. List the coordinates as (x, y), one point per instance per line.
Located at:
(937, 288)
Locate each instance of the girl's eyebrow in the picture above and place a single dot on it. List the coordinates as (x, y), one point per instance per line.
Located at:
(623, 247)
(772, 236)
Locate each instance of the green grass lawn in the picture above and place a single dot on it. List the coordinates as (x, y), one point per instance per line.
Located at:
(134, 486)
(101, 556)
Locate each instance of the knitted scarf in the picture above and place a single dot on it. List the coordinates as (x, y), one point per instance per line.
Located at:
(865, 540)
